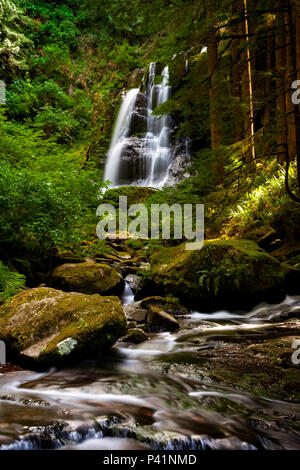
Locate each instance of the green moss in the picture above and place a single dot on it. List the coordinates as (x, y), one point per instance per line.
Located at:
(135, 195)
(51, 316)
(222, 269)
(89, 278)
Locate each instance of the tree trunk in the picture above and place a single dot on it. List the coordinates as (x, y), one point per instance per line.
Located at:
(248, 89)
(212, 57)
(290, 76)
(237, 31)
(268, 106)
(280, 85)
(297, 107)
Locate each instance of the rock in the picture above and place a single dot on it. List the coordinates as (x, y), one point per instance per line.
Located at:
(291, 279)
(87, 278)
(131, 163)
(294, 261)
(224, 273)
(133, 281)
(48, 326)
(168, 304)
(136, 336)
(136, 78)
(181, 161)
(135, 313)
(139, 117)
(157, 320)
(67, 257)
(138, 124)
(270, 240)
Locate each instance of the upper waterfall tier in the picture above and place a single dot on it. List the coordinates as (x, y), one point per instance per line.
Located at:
(140, 152)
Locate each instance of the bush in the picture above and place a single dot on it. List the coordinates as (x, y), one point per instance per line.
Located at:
(10, 283)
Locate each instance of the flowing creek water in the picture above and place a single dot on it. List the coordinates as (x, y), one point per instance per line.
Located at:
(153, 395)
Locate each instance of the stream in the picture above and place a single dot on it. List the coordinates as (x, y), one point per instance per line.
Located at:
(154, 395)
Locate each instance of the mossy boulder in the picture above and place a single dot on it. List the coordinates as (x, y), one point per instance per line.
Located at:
(87, 278)
(158, 320)
(231, 273)
(48, 326)
(135, 336)
(168, 304)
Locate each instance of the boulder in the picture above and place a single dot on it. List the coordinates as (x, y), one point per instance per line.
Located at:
(158, 320)
(48, 326)
(87, 278)
(133, 281)
(138, 124)
(168, 304)
(224, 273)
(134, 312)
(136, 336)
(291, 279)
(181, 161)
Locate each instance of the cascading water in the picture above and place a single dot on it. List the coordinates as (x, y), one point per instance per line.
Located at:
(157, 151)
(119, 137)
(140, 151)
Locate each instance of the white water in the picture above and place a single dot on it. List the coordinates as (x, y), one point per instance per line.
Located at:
(119, 137)
(127, 295)
(155, 150)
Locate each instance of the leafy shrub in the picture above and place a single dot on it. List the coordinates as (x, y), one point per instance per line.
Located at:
(10, 283)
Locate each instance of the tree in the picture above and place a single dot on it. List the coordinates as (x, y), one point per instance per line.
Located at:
(13, 42)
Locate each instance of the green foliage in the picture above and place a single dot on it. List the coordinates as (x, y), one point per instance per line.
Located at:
(10, 283)
(13, 43)
(266, 204)
(45, 202)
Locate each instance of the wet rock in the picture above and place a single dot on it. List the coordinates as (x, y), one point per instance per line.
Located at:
(138, 124)
(131, 166)
(226, 273)
(133, 281)
(181, 161)
(157, 320)
(168, 304)
(134, 312)
(136, 336)
(87, 278)
(291, 279)
(48, 326)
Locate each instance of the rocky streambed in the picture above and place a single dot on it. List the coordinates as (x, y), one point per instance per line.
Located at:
(101, 368)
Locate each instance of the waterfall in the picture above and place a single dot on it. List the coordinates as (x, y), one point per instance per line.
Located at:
(140, 152)
(157, 151)
(119, 137)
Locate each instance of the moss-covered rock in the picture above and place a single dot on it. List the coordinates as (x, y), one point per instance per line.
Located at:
(48, 326)
(158, 320)
(135, 336)
(232, 273)
(168, 304)
(88, 278)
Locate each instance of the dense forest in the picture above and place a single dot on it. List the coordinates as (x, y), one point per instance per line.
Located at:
(234, 72)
